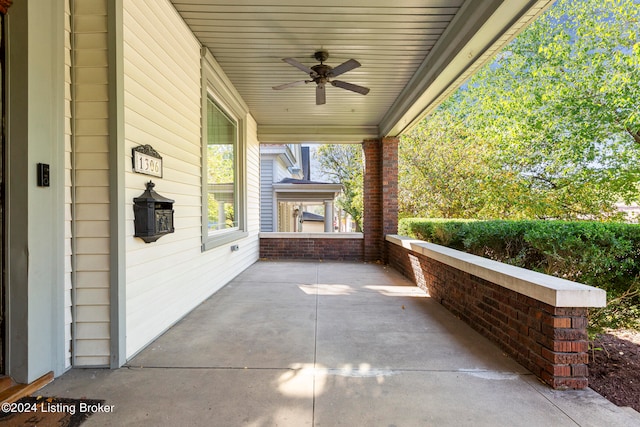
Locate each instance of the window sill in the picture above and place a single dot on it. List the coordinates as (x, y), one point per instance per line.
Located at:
(215, 241)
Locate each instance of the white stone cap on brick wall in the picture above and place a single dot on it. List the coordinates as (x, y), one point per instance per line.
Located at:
(303, 235)
(552, 290)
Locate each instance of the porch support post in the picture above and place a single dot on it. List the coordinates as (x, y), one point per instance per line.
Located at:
(328, 216)
(34, 260)
(222, 217)
(380, 215)
(389, 186)
(117, 237)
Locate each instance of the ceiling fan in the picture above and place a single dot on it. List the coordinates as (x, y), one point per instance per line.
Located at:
(321, 74)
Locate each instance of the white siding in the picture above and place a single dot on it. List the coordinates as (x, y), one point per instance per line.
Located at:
(162, 84)
(90, 184)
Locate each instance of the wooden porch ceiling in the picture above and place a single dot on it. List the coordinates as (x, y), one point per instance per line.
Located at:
(413, 53)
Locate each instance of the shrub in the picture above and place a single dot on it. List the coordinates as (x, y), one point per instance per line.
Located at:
(445, 232)
(604, 255)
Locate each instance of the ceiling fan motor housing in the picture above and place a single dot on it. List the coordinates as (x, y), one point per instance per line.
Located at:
(321, 55)
(322, 72)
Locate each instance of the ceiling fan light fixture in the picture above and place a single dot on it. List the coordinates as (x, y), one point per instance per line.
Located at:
(321, 74)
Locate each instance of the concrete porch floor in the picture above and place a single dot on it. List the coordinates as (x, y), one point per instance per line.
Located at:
(327, 344)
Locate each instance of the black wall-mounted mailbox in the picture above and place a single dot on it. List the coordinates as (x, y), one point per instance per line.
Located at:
(153, 215)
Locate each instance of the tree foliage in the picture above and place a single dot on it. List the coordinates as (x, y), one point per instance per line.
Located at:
(343, 163)
(549, 129)
(220, 172)
(442, 169)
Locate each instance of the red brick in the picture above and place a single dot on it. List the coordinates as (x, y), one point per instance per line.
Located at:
(570, 311)
(570, 334)
(570, 346)
(328, 249)
(579, 322)
(559, 370)
(564, 383)
(564, 358)
(538, 360)
(542, 339)
(372, 227)
(559, 322)
(580, 370)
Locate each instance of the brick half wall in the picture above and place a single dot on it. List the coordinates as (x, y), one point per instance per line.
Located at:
(312, 246)
(550, 341)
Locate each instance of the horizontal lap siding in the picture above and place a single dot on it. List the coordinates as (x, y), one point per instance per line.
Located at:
(162, 85)
(91, 184)
(253, 184)
(266, 195)
(68, 284)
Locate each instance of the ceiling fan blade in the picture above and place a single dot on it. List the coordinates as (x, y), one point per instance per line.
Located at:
(321, 98)
(299, 65)
(287, 85)
(350, 86)
(344, 67)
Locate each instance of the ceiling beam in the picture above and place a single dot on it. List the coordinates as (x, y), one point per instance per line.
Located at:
(286, 134)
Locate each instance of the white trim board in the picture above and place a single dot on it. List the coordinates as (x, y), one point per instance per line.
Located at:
(551, 290)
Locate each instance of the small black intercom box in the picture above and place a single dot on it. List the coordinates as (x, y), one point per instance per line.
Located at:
(43, 175)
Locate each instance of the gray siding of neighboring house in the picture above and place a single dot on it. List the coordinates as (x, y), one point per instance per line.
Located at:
(266, 195)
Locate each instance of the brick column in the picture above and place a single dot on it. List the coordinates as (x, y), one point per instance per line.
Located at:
(389, 186)
(380, 215)
(5, 5)
(372, 215)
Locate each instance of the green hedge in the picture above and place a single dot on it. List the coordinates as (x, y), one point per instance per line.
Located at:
(604, 255)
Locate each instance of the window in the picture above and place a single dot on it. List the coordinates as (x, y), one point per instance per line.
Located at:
(224, 159)
(221, 170)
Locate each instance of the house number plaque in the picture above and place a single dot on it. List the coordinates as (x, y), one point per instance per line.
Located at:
(146, 160)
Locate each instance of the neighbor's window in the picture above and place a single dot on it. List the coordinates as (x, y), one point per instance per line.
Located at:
(222, 182)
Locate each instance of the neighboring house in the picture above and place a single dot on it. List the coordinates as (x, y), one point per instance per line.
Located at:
(312, 223)
(277, 162)
(631, 212)
(286, 191)
(87, 83)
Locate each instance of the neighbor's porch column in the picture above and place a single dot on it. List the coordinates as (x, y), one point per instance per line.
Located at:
(222, 216)
(380, 216)
(328, 216)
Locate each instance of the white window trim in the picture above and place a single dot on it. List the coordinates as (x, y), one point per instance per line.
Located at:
(217, 87)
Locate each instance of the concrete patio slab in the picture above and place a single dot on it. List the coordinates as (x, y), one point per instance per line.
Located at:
(327, 344)
(431, 398)
(193, 397)
(281, 272)
(236, 330)
(588, 408)
(359, 275)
